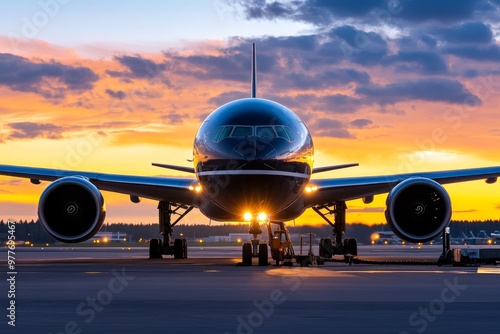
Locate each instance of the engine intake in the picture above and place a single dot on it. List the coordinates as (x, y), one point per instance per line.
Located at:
(418, 209)
(71, 209)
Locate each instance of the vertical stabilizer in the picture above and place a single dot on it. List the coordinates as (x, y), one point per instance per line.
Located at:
(254, 70)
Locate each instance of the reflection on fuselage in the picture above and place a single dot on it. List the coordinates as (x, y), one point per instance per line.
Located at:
(253, 155)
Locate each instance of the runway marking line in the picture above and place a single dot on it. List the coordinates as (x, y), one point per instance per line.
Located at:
(483, 270)
(308, 272)
(316, 272)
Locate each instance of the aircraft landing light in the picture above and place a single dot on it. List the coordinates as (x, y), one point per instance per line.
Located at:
(311, 189)
(262, 217)
(197, 188)
(247, 216)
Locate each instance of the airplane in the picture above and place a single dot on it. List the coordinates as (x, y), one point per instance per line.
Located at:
(495, 235)
(480, 239)
(252, 161)
(384, 238)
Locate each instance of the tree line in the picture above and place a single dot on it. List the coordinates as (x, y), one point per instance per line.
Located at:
(34, 232)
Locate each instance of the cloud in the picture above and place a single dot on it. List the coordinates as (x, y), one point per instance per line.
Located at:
(260, 9)
(433, 89)
(358, 46)
(30, 130)
(138, 67)
(48, 79)
(174, 118)
(313, 11)
(226, 97)
(361, 123)
(340, 103)
(468, 32)
(10, 183)
(440, 11)
(419, 61)
(230, 64)
(329, 78)
(486, 53)
(116, 94)
(327, 127)
(321, 12)
(428, 40)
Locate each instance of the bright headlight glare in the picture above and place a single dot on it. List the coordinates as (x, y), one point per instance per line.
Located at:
(262, 216)
(311, 188)
(247, 216)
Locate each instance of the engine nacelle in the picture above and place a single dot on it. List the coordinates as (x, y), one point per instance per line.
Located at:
(418, 209)
(71, 209)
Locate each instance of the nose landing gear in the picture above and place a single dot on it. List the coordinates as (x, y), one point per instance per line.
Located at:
(280, 245)
(255, 248)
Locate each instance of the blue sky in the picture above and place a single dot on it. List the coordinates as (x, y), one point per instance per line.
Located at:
(150, 25)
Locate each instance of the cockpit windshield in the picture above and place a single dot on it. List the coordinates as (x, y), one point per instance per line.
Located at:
(244, 131)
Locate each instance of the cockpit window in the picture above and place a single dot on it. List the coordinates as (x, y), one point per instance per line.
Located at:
(290, 134)
(242, 131)
(265, 132)
(239, 131)
(281, 132)
(217, 134)
(225, 133)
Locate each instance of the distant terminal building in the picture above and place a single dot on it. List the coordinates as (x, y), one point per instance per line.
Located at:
(103, 237)
(232, 237)
(216, 238)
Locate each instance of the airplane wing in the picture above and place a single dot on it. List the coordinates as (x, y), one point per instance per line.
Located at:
(157, 188)
(344, 189)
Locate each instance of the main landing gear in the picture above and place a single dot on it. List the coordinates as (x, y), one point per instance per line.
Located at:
(337, 246)
(177, 247)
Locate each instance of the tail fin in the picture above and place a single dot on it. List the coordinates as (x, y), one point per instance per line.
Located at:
(254, 70)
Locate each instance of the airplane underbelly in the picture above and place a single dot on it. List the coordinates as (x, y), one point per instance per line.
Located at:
(242, 191)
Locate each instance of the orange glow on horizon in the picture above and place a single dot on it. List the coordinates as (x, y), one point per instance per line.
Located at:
(157, 122)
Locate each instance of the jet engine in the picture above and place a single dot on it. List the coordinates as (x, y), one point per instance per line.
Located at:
(71, 209)
(418, 209)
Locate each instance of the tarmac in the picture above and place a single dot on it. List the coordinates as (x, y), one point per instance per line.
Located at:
(119, 290)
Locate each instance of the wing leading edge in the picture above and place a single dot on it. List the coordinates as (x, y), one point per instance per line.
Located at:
(157, 188)
(344, 189)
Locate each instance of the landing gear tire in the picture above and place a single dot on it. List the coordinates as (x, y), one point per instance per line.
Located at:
(178, 249)
(184, 248)
(246, 255)
(351, 246)
(263, 255)
(155, 249)
(325, 248)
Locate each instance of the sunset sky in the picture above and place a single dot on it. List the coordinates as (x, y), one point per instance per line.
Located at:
(398, 86)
